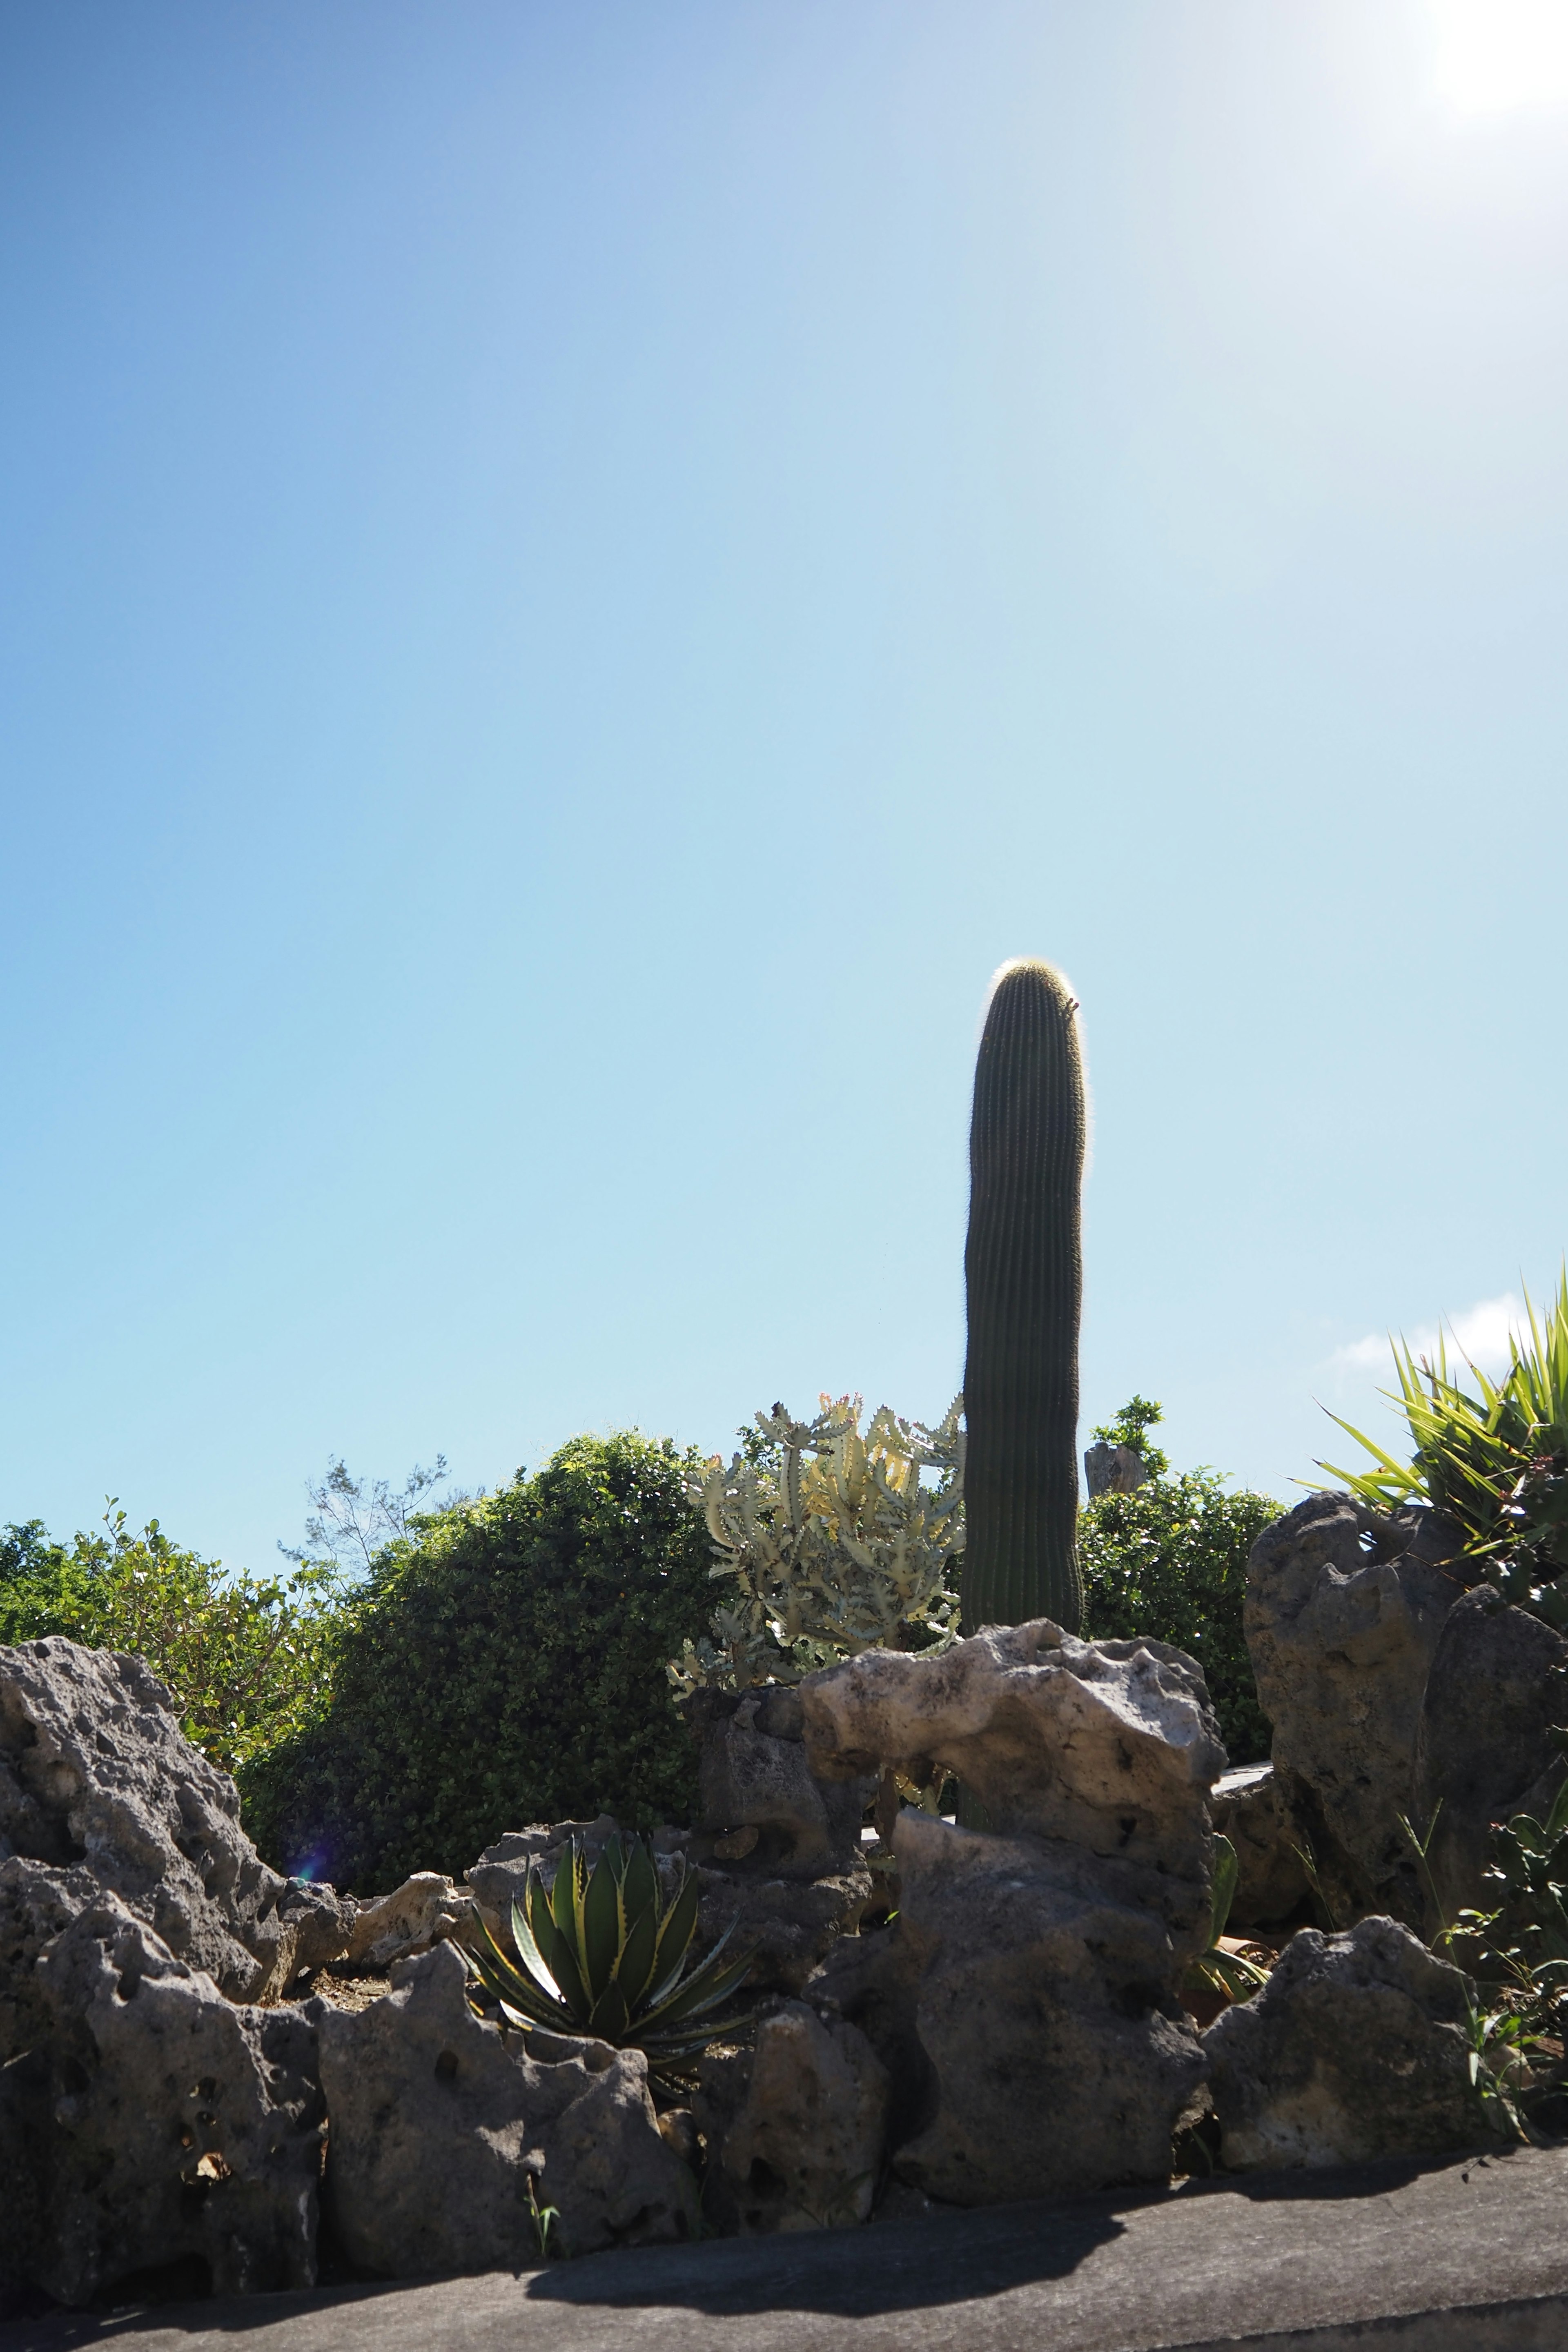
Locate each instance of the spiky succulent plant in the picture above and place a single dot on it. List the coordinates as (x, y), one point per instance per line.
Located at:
(834, 1541)
(604, 1951)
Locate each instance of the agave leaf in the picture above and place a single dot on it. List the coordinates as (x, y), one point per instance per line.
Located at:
(609, 2018)
(1226, 1871)
(704, 1988)
(676, 1931)
(601, 1926)
(532, 1959)
(639, 1882)
(634, 1969)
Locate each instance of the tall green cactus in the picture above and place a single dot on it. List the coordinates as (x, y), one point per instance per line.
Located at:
(1024, 1269)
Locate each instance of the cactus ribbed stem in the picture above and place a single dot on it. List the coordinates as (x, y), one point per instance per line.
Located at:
(1024, 1271)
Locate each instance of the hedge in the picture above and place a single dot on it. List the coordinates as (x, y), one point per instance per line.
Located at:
(504, 1665)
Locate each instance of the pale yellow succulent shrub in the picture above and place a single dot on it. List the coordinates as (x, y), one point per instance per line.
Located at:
(834, 1541)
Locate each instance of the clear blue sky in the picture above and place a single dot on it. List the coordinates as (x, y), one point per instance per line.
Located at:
(576, 576)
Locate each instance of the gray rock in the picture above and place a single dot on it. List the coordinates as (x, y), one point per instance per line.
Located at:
(789, 1925)
(439, 2125)
(1111, 1746)
(1343, 1612)
(1113, 1470)
(95, 1772)
(794, 2126)
(425, 1910)
(1484, 1747)
(755, 1773)
(1271, 1880)
(1045, 2003)
(1355, 2048)
(37, 1904)
(151, 2121)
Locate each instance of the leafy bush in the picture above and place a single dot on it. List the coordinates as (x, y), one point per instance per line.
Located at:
(503, 1664)
(1494, 1461)
(247, 1660)
(1170, 1560)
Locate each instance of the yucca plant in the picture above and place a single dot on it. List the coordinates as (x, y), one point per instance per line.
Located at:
(603, 1952)
(1494, 1460)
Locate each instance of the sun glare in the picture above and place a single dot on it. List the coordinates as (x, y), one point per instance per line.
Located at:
(1497, 56)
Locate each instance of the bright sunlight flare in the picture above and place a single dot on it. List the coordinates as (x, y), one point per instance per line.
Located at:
(1496, 56)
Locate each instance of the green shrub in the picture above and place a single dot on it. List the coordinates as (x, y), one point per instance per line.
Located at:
(1170, 1560)
(504, 1665)
(247, 1660)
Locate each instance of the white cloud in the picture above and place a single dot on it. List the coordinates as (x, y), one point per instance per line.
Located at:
(1480, 1335)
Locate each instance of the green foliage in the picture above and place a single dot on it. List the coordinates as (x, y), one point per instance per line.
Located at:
(834, 1543)
(504, 1665)
(247, 1660)
(1170, 1560)
(1494, 1459)
(1130, 1428)
(1024, 1277)
(603, 1951)
(1215, 1970)
(1520, 1953)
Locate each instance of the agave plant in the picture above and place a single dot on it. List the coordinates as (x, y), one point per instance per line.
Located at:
(604, 1952)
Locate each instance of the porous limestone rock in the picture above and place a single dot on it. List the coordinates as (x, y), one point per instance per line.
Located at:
(1045, 1979)
(150, 2122)
(1356, 2048)
(95, 1772)
(1113, 1470)
(425, 1910)
(755, 1773)
(794, 2126)
(1497, 1686)
(1343, 1612)
(440, 2124)
(1111, 1746)
(1033, 1968)
(1271, 1878)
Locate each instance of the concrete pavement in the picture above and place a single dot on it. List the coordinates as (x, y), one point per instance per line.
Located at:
(1467, 2256)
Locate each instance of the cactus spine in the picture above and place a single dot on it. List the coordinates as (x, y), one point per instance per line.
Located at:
(1023, 1272)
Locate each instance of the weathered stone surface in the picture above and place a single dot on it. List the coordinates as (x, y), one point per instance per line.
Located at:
(1271, 1880)
(1046, 2005)
(439, 2124)
(790, 1925)
(1484, 1748)
(1113, 1470)
(94, 1771)
(755, 1773)
(425, 1910)
(150, 2121)
(1344, 1613)
(794, 2126)
(1111, 1746)
(1355, 2048)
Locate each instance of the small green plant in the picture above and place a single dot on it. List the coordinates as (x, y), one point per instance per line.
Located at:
(1516, 2047)
(834, 1542)
(545, 2217)
(1215, 1970)
(1493, 1459)
(603, 1952)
